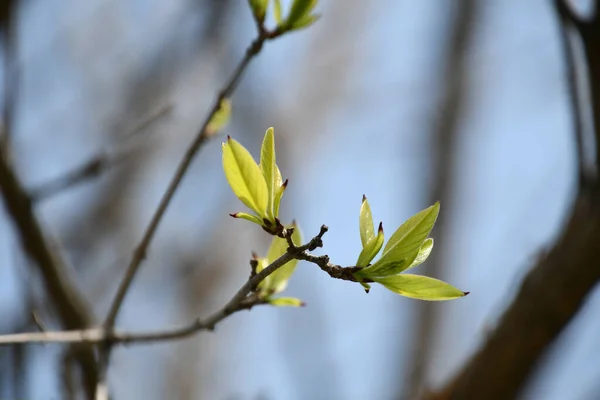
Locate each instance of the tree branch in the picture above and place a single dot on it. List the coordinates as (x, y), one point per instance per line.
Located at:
(202, 136)
(444, 145)
(555, 289)
(68, 302)
(244, 299)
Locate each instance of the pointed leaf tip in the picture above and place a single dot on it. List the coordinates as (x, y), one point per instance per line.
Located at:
(284, 184)
(466, 293)
(364, 198)
(234, 215)
(420, 287)
(380, 229)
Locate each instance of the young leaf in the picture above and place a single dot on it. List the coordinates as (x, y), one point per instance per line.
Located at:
(259, 9)
(245, 177)
(366, 286)
(369, 252)
(365, 223)
(277, 11)
(269, 168)
(280, 278)
(305, 22)
(424, 253)
(299, 10)
(249, 217)
(417, 226)
(286, 302)
(420, 287)
(403, 247)
(385, 268)
(279, 189)
(265, 283)
(220, 118)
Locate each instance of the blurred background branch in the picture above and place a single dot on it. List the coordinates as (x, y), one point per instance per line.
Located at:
(444, 141)
(351, 102)
(555, 289)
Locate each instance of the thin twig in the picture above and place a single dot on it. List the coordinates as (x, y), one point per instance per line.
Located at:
(139, 253)
(244, 299)
(69, 303)
(201, 137)
(445, 139)
(95, 166)
(569, 19)
(554, 291)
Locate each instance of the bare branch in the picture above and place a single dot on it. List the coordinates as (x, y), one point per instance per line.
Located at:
(202, 136)
(445, 135)
(245, 298)
(69, 303)
(568, 19)
(554, 290)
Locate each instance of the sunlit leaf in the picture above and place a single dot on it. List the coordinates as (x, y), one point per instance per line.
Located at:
(365, 223)
(277, 11)
(268, 168)
(249, 217)
(419, 225)
(279, 189)
(259, 8)
(265, 283)
(403, 247)
(245, 177)
(369, 252)
(305, 21)
(282, 275)
(286, 302)
(420, 287)
(424, 253)
(366, 286)
(299, 10)
(220, 118)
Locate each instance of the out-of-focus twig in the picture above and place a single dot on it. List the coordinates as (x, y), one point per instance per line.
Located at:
(68, 302)
(8, 31)
(444, 142)
(202, 136)
(97, 165)
(139, 253)
(554, 291)
(568, 22)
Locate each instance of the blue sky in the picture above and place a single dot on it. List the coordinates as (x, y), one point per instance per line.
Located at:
(352, 99)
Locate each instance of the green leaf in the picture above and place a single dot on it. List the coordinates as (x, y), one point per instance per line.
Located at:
(286, 302)
(279, 189)
(249, 217)
(419, 225)
(366, 286)
(278, 280)
(277, 11)
(299, 10)
(220, 118)
(369, 252)
(403, 247)
(245, 177)
(305, 21)
(365, 223)
(278, 248)
(269, 169)
(259, 9)
(420, 287)
(424, 253)
(265, 283)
